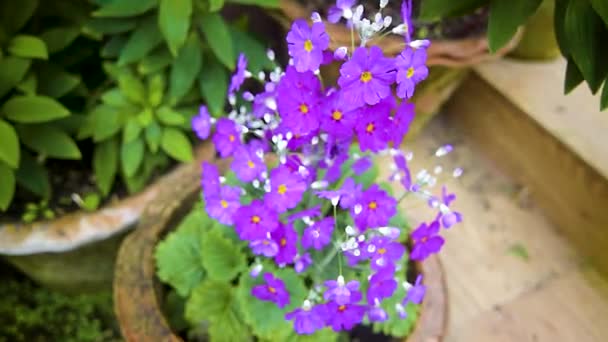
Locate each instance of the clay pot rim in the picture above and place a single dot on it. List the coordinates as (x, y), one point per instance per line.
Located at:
(137, 302)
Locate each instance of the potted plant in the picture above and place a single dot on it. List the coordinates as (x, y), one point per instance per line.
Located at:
(298, 240)
(118, 121)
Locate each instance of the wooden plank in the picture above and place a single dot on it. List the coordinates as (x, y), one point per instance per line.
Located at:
(572, 194)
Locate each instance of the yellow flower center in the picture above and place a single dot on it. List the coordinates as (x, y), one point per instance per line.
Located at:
(410, 72)
(366, 76)
(224, 204)
(424, 239)
(282, 189)
(283, 242)
(308, 45)
(341, 308)
(250, 164)
(272, 289)
(255, 219)
(303, 108)
(231, 138)
(370, 127)
(336, 115)
(381, 251)
(372, 205)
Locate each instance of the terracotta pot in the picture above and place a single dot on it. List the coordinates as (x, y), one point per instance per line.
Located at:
(137, 290)
(76, 252)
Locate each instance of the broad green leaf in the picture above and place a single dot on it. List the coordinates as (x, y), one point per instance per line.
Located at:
(9, 148)
(105, 164)
(218, 37)
(12, 70)
(132, 88)
(170, 117)
(98, 27)
(153, 136)
(55, 82)
(141, 178)
(601, 7)
(216, 303)
(114, 97)
(31, 109)
(59, 38)
(185, 68)
(7, 185)
(215, 5)
(113, 47)
(506, 17)
(28, 85)
(223, 260)
(213, 83)
(33, 176)
(174, 22)
(604, 98)
(90, 202)
(15, 14)
(121, 8)
(106, 121)
(175, 143)
(156, 89)
(559, 22)
(438, 9)
(145, 117)
(585, 32)
(573, 76)
(144, 39)
(253, 49)
(325, 335)
(131, 130)
(178, 256)
(49, 141)
(262, 3)
(131, 156)
(28, 47)
(155, 61)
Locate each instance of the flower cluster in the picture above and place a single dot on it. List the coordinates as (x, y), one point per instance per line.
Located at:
(298, 197)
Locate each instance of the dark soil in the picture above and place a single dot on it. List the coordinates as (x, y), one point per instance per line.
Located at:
(468, 26)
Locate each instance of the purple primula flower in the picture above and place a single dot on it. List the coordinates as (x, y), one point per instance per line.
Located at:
(306, 44)
(248, 163)
(416, 293)
(447, 197)
(384, 252)
(318, 235)
(411, 69)
(406, 15)
(381, 285)
(302, 262)
(450, 218)
(334, 171)
(210, 179)
(265, 102)
(367, 77)
(201, 123)
(343, 8)
(345, 316)
(405, 176)
(286, 189)
(272, 291)
(239, 76)
(299, 101)
(375, 208)
(287, 239)
(361, 165)
(266, 247)
(346, 195)
(426, 241)
(404, 115)
(341, 292)
(310, 212)
(372, 125)
(308, 318)
(223, 204)
(227, 137)
(338, 118)
(376, 314)
(255, 221)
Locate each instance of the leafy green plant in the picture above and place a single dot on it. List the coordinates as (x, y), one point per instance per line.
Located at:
(581, 27)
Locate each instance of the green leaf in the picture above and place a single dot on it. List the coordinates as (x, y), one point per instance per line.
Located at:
(325, 335)
(28, 85)
(174, 22)
(114, 97)
(144, 39)
(132, 88)
(263, 3)
(33, 176)
(131, 130)
(156, 89)
(105, 164)
(105, 121)
(185, 68)
(155, 61)
(215, 5)
(559, 22)
(49, 141)
(131, 156)
(55, 82)
(7, 185)
(28, 47)
(98, 27)
(121, 8)
(145, 117)
(90, 202)
(506, 17)
(439, 9)
(113, 47)
(153, 136)
(58, 38)
(218, 37)
(573, 76)
(253, 49)
(216, 303)
(213, 83)
(15, 14)
(175, 143)
(222, 259)
(9, 148)
(12, 70)
(601, 7)
(395, 326)
(178, 256)
(170, 117)
(31, 109)
(604, 98)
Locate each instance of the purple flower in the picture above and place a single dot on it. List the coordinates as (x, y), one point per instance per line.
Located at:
(201, 123)
(401, 123)
(450, 218)
(367, 77)
(287, 239)
(298, 102)
(384, 252)
(342, 293)
(266, 247)
(361, 165)
(411, 69)
(405, 176)
(372, 126)
(310, 212)
(265, 102)
(426, 241)
(306, 44)
(318, 235)
(334, 171)
(239, 76)
(406, 14)
(210, 179)
(376, 314)
(345, 316)
(343, 8)
(255, 221)
(308, 319)
(338, 117)
(375, 208)
(223, 204)
(382, 284)
(248, 163)
(446, 197)
(286, 189)
(273, 291)
(227, 137)
(302, 262)
(416, 293)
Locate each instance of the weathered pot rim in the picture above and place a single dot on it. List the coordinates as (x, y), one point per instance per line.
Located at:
(79, 228)
(137, 289)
